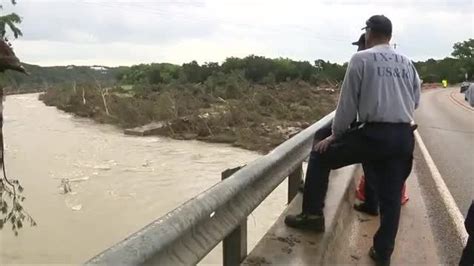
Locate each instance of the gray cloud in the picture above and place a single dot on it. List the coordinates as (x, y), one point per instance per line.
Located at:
(130, 32)
(102, 22)
(463, 6)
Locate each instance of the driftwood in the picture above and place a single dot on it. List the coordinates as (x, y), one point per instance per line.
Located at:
(103, 92)
(83, 96)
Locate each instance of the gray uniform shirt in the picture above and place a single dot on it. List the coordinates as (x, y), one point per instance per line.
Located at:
(380, 85)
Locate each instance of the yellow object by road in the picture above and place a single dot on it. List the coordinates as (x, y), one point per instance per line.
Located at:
(445, 83)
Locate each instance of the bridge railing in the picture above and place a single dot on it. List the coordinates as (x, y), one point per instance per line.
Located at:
(189, 232)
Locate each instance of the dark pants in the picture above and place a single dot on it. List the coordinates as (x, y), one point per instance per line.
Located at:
(369, 185)
(371, 198)
(467, 257)
(388, 147)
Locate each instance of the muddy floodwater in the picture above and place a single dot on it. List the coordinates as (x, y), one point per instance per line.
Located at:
(119, 183)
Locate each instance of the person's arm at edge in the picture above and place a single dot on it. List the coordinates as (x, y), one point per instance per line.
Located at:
(346, 110)
(416, 87)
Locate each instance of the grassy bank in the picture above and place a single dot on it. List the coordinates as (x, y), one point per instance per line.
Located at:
(251, 116)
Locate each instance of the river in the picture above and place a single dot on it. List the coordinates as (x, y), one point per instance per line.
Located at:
(119, 183)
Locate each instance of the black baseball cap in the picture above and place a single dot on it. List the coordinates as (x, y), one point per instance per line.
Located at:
(361, 40)
(380, 24)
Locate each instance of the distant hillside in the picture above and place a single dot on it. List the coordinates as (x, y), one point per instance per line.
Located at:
(41, 78)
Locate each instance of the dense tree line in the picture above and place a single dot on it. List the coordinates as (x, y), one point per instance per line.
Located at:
(454, 69)
(264, 70)
(257, 69)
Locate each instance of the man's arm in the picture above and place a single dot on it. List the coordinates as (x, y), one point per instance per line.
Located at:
(346, 110)
(324, 132)
(416, 86)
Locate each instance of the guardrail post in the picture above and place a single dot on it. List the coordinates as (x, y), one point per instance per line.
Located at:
(234, 246)
(294, 181)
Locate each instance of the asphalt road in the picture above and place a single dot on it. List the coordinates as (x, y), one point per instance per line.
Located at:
(446, 125)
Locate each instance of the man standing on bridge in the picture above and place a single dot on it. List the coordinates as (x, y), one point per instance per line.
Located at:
(369, 204)
(382, 89)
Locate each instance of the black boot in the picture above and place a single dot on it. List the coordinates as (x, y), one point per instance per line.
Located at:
(305, 221)
(365, 208)
(301, 188)
(379, 261)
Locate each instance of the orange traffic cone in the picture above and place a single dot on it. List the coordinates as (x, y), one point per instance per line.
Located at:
(405, 197)
(360, 191)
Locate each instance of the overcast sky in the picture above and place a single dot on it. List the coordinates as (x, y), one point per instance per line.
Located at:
(116, 32)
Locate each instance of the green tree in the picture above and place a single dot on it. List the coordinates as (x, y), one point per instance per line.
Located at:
(449, 68)
(154, 75)
(257, 67)
(464, 51)
(208, 69)
(284, 69)
(304, 70)
(10, 21)
(327, 72)
(193, 72)
(232, 64)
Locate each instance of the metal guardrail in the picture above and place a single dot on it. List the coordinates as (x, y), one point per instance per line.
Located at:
(188, 233)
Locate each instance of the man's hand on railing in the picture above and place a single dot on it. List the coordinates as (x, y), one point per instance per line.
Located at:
(323, 145)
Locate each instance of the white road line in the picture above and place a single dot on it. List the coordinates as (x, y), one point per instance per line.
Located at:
(453, 211)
